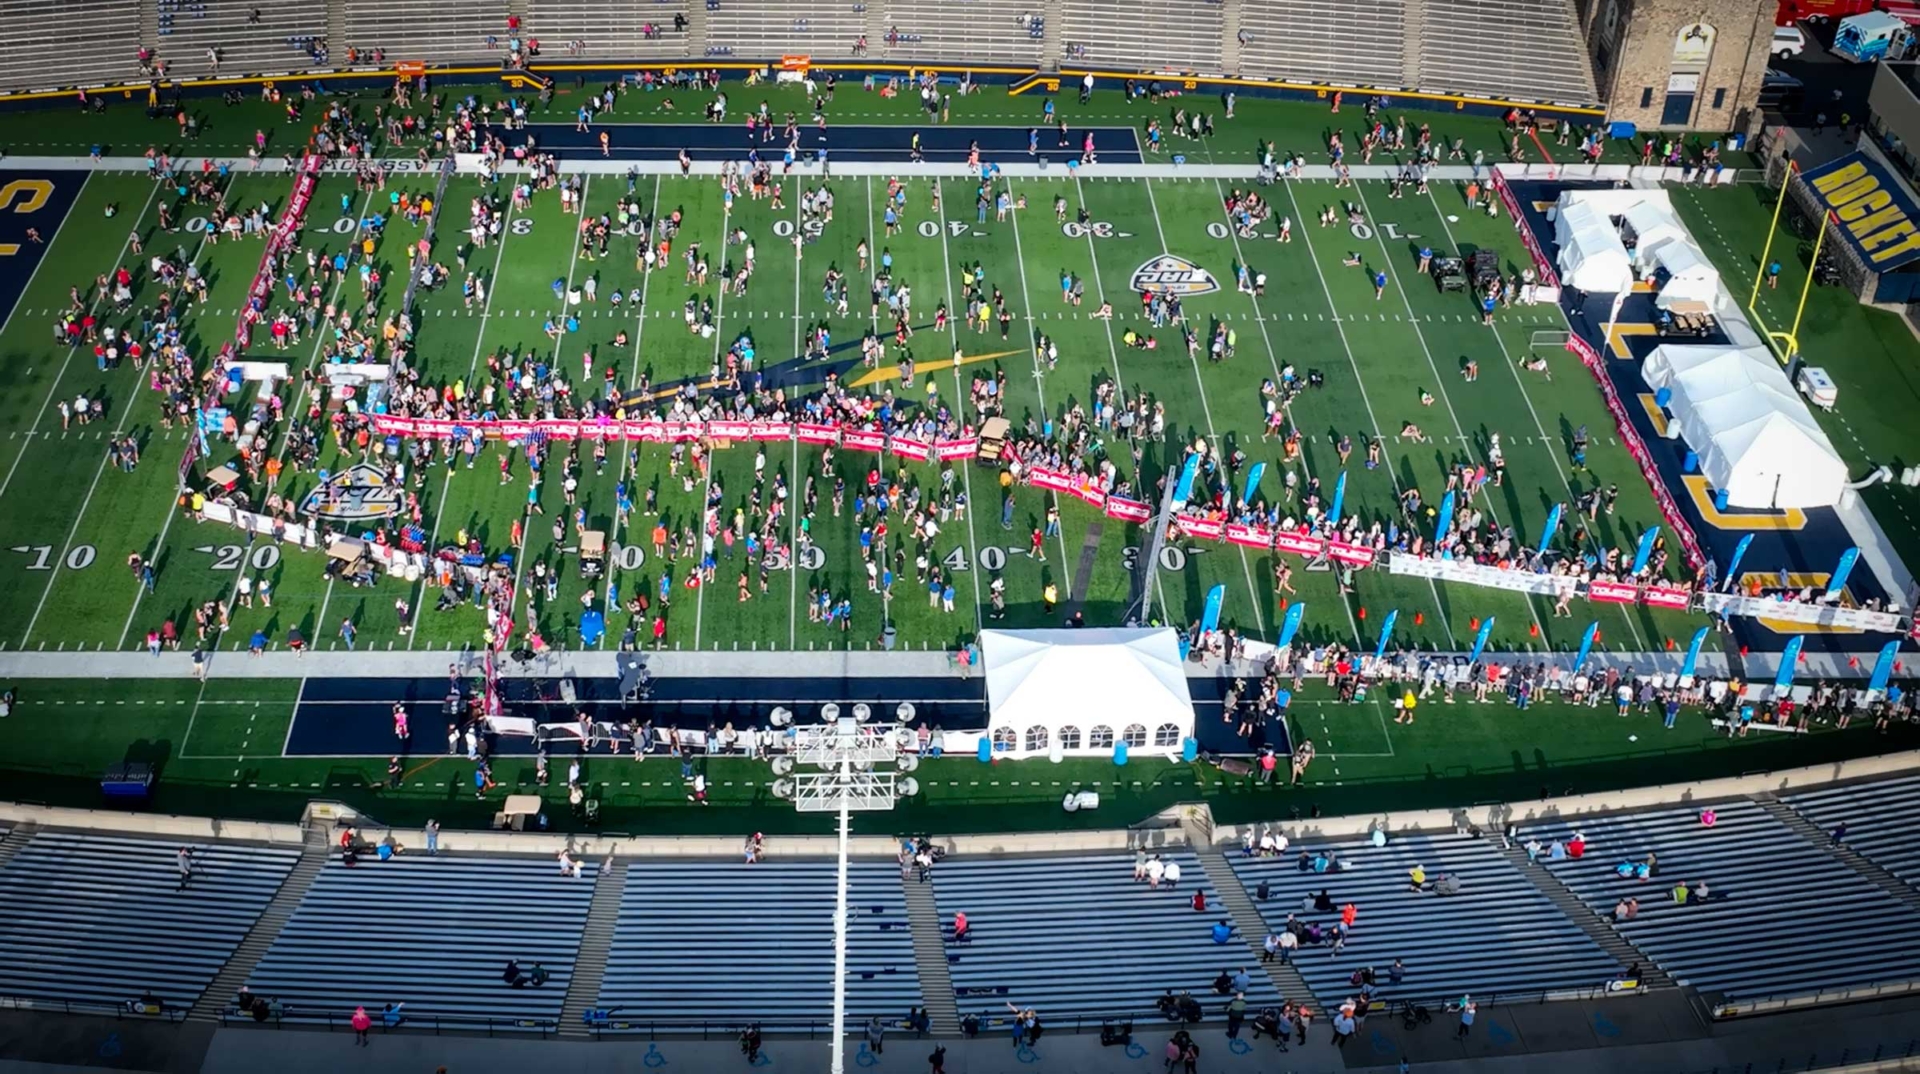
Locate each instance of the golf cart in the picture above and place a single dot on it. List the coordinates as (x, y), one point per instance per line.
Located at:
(993, 439)
(593, 553)
(1486, 268)
(1449, 274)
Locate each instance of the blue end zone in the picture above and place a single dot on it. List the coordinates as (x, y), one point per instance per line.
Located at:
(849, 142)
(30, 200)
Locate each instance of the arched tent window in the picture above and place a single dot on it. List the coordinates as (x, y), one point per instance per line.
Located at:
(1069, 737)
(1036, 738)
(1100, 738)
(1135, 735)
(1167, 734)
(1005, 738)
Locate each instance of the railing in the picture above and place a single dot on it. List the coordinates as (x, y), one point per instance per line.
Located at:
(620, 1027)
(1720, 1009)
(130, 1009)
(300, 1018)
(1845, 1057)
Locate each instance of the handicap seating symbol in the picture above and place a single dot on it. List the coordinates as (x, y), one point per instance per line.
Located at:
(1499, 1034)
(1238, 1046)
(1136, 1050)
(865, 1058)
(1381, 1045)
(1604, 1026)
(1026, 1054)
(111, 1048)
(762, 1060)
(653, 1058)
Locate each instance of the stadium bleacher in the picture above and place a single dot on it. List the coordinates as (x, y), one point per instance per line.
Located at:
(1499, 935)
(249, 36)
(772, 28)
(95, 41)
(427, 30)
(984, 31)
(1078, 935)
(434, 933)
(1881, 817)
(102, 919)
(759, 946)
(1783, 916)
(1150, 35)
(1509, 48)
(609, 31)
(1321, 41)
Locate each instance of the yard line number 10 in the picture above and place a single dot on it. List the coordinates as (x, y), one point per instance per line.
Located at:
(1362, 231)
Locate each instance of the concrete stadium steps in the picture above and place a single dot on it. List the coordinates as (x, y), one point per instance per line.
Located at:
(1246, 917)
(1499, 936)
(1599, 929)
(219, 995)
(1881, 816)
(590, 966)
(1904, 853)
(13, 839)
(82, 915)
(1761, 933)
(930, 954)
(1075, 935)
(434, 932)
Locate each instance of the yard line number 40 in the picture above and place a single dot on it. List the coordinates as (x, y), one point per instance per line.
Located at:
(1362, 231)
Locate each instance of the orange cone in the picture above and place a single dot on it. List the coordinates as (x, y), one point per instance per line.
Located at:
(1853, 661)
(1283, 604)
(1419, 618)
(1743, 650)
(1363, 611)
(1475, 624)
(1670, 645)
(1533, 630)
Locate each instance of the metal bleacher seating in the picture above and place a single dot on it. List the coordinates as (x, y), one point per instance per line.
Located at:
(434, 933)
(976, 31)
(69, 43)
(1322, 41)
(427, 30)
(276, 42)
(1151, 35)
(609, 31)
(765, 28)
(1881, 816)
(1784, 916)
(1529, 49)
(757, 944)
(102, 919)
(1499, 936)
(1077, 935)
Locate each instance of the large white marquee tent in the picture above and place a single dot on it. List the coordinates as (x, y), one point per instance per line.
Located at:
(1081, 690)
(1592, 257)
(1755, 437)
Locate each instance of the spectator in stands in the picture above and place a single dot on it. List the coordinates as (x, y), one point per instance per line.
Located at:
(1417, 878)
(1156, 869)
(361, 1022)
(876, 1034)
(511, 975)
(1173, 875)
(1680, 893)
(755, 843)
(960, 927)
(1222, 931)
(1200, 901)
(1139, 865)
(1838, 836)
(568, 864)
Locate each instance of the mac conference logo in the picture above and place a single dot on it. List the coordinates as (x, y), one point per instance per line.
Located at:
(1170, 275)
(360, 494)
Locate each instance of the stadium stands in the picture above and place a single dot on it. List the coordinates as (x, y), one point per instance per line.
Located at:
(983, 31)
(609, 31)
(756, 943)
(1151, 35)
(434, 933)
(427, 30)
(1783, 915)
(102, 919)
(773, 28)
(1078, 935)
(278, 41)
(1881, 817)
(1322, 41)
(94, 40)
(1510, 48)
(1499, 935)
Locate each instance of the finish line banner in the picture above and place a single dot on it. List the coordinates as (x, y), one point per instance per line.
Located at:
(1870, 208)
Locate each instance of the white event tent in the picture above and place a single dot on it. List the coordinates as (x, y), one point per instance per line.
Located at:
(1592, 257)
(1081, 690)
(1756, 439)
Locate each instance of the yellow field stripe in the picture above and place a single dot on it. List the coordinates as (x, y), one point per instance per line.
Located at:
(1770, 580)
(892, 372)
(1618, 338)
(1790, 519)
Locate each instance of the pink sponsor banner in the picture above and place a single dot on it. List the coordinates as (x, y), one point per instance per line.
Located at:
(558, 428)
(729, 430)
(602, 428)
(1050, 479)
(1660, 596)
(861, 440)
(679, 432)
(648, 432)
(1300, 544)
(1612, 593)
(1540, 261)
(1248, 536)
(817, 434)
(1128, 510)
(1689, 544)
(438, 430)
(767, 430)
(1355, 555)
(1089, 494)
(917, 450)
(389, 425)
(1201, 526)
(957, 449)
(513, 430)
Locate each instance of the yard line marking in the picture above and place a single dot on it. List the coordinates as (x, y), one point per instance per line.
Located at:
(962, 397)
(120, 427)
(651, 212)
(1259, 621)
(706, 495)
(1039, 380)
(479, 342)
(1438, 381)
(53, 390)
(797, 496)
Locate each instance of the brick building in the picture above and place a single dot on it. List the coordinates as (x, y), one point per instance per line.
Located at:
(1679, 64)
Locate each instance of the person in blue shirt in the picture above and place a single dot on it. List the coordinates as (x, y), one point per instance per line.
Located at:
(1426, 258)
(1222, 931)
(1379, 283)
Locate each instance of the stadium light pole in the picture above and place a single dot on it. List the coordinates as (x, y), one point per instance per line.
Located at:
(862, 769)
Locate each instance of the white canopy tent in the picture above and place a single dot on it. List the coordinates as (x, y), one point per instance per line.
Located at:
(1690, 277)
(1081, 690)
(1653, 226)
(1592, 257)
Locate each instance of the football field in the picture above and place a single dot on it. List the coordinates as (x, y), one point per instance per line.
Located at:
(1380, 362)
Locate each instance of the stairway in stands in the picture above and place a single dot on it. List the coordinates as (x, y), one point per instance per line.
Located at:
(17, 837)
(1246, 917)
(596, 942)
(1597, 928)
(930, 955)
(1861, 864)
(313, 858)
